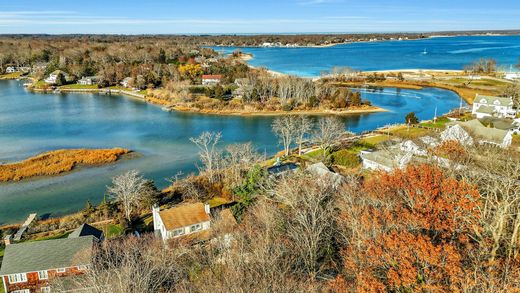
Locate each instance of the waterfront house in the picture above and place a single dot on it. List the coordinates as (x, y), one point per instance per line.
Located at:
(211, 79)
(126, 82)
(181, 220)
(457, 133)
(28, 266)
(11, 69)
(88, 80)
(53, 77)
(482, 134)
(489, 106)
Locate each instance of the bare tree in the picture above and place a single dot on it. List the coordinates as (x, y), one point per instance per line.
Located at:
(309, 217)
(284, 128)
(303, 128)
(330, 128)
(126, 190)
(239, 159)
(209, 154)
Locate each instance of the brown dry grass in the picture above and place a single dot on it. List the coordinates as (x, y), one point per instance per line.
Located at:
(57, 162)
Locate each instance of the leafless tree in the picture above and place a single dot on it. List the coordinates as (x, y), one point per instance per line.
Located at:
(284, 128)
(304, 126)
(130, 265)
(329, 129)
(127, 189)
(238, 160)
(209, 154)
(309, 216)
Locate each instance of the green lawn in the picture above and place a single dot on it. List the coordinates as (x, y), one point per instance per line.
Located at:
(13, 75)
(57, 236)
(478, 82)
(409, 132)
(112, 230)
(79, 86)
(440, 123)
(375, 140)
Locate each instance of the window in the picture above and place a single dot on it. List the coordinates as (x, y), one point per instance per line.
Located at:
(22, 291)
(43, 275)
(178, 232)
(61, 270)
(45, 289)
(82, 267)
(17, 278)
(196, 227)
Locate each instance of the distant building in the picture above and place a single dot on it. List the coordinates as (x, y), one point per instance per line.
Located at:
(489, 106)
(512, 75)
(126, 82)
(480, 133)
(211, 79)
(181, 220)
(11, 69)
(28, 266)
(88, 80)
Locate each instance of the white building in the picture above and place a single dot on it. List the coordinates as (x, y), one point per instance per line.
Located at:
(51, 79)
(385, 160)
(209, 79)
(479, 132)
(488, 106)
(184, 219)
(512, 75)
(11, 69)
(88, 80)
(126, 82)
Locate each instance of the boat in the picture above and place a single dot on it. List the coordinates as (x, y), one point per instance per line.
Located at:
(425, 52)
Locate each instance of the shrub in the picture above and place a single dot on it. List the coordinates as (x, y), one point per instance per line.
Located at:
(345, 158)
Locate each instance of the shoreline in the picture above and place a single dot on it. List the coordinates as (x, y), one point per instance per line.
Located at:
(244, 113)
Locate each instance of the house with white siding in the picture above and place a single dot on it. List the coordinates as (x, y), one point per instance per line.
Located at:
(489, 106)
(181, 220)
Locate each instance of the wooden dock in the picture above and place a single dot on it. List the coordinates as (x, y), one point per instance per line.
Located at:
(28, 221)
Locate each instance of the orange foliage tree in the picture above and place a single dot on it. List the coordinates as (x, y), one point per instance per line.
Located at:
(408, 230)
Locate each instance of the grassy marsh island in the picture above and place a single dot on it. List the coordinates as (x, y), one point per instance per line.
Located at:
(58, 162)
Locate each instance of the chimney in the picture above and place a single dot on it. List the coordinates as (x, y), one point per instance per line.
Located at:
(7, 239)
(206, 208)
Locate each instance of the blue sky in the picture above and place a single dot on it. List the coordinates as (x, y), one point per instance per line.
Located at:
(261, 16)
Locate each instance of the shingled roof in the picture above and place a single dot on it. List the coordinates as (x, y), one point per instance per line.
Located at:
(184, 215)
(48, 254)
(86, 230)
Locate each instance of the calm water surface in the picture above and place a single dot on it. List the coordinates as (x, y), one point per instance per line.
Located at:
(33, 123)
(442, 53)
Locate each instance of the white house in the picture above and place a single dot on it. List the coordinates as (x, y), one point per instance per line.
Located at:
(11, 69)
(211, 79)
(479, 132)
(385, 160)
(51, 79)
(184, 219)
(88, 80)
(126, 82)
(489, 106)
(512, 75)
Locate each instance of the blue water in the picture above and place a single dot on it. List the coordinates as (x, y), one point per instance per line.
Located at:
(33, 123)
(442, 53)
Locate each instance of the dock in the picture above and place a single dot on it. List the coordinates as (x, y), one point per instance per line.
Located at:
(28, 221)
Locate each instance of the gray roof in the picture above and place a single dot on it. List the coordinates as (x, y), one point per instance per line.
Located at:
(486, 109)
(487, 133)
(491, 100)
(86, 230)
(48, 254)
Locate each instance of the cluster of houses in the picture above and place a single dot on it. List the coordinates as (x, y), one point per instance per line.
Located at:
(495, 125)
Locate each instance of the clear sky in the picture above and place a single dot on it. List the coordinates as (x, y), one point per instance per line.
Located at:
(254, 16)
